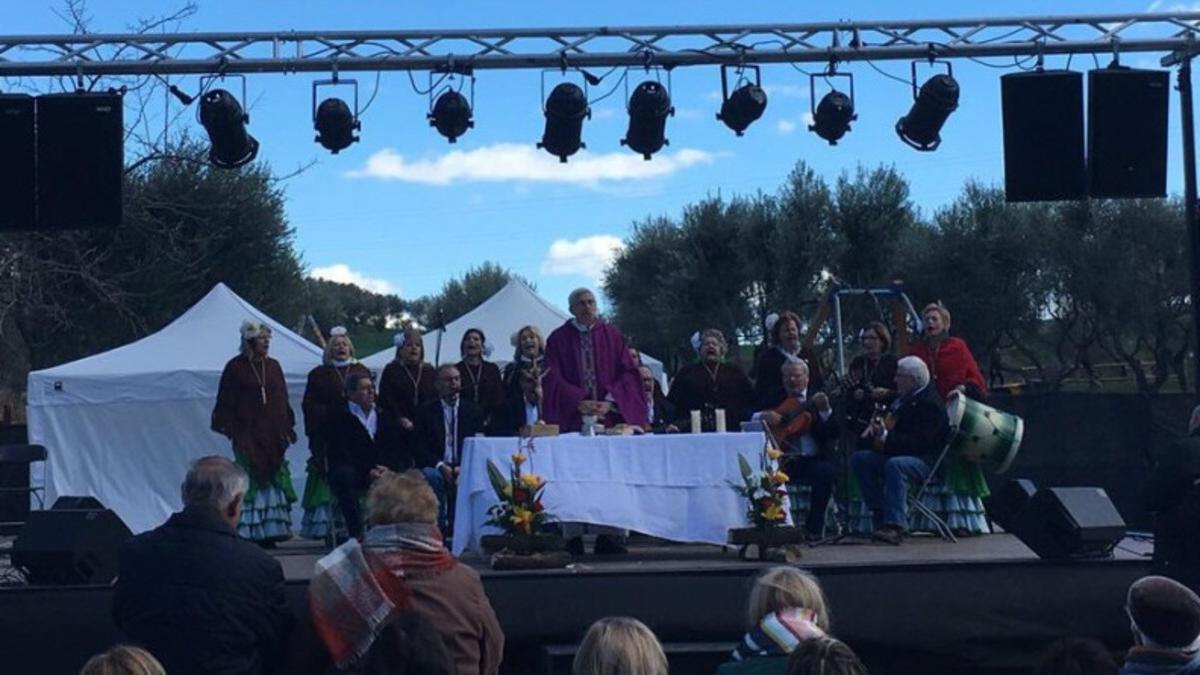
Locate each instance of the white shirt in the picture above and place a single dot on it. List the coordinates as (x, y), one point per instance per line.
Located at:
(370, 420)
(450, 420)
(531, 412)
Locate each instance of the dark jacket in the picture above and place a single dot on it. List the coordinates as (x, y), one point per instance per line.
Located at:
(1173, 495)
(431, 431)
(202, 600)
(509, 418)
(824, 432)
(755, 665)
(349, 444)
(768, 377)
(1146, 661)
(664, 413)
(921, 427)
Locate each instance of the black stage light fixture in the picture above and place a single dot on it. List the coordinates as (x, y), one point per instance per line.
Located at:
(334, 120)
(648, 107)
(225, 121)
(451, 113)
(565, 110)
(921, 127)
(833, 115)
(747, 102)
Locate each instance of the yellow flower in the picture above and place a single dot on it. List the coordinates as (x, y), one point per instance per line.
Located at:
(518, 459)
(522, 519)
(508, 491)
(774, 453)
(531, 481)
(773, 512)
(780, 477)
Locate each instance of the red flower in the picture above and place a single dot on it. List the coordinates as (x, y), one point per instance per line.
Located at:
(520, 496)
(538, 508)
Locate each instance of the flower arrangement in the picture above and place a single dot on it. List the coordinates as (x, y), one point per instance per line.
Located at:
(765, 489)
(520, 510)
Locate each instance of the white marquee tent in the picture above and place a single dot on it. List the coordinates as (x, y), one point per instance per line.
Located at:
(122, 425)
(512, 307)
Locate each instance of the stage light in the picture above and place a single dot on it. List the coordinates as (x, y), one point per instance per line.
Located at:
(648, 108)
(565, 110)
(451, 115)
(747, 102)
(921, 127)
(335, 124)
(833, 115)
(225, 121)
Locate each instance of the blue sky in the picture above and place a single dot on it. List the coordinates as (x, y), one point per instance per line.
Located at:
(403, 211)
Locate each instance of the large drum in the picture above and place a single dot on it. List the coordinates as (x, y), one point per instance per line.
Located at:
(981, 434)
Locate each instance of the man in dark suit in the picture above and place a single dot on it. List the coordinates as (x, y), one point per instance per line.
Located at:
(519, 411)
(1173, 496)
(661, 412)
(893, 457)
(355, 448)
(809, 455)
(441, 428)
(200, 599)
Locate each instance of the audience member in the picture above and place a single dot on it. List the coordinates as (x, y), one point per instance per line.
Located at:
(123, 660)
(1164, 616)
(824, 656)
(619, 645)
(1077, 656)
(408, 644)
(402, 564)
(786, 608)
(1173, 495)
(195, 595)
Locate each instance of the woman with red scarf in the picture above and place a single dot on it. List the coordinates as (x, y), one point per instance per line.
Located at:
(959, 500)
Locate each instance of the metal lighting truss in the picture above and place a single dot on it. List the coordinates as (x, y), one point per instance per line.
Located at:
(525, 48)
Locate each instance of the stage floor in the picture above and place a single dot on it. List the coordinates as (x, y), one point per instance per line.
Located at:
(649, 555)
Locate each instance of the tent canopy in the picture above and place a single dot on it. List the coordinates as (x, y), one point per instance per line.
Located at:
(123, 425)
(499, 317)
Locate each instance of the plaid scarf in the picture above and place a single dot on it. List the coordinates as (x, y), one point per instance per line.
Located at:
(356, 589)
(779, 633)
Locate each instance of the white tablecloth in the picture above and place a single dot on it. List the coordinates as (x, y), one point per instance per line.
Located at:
(672, 486)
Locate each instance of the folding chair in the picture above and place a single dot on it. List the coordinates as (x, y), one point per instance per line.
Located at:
(914, 498)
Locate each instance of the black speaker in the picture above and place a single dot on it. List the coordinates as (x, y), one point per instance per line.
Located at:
(76, 503)
(76, 546)
(1043, 136)
(1070, 522)
(1007, 503)
(80, 159)
(17, 191)
(1127, 132)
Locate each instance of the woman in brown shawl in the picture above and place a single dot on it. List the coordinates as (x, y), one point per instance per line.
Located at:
(253, 411)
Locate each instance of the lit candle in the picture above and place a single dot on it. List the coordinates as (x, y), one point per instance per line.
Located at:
(695, 421)
(720, 420)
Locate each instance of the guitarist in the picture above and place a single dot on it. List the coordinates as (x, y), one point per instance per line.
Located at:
(806, 429)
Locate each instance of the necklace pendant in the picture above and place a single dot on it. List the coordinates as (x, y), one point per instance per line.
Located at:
(263, 391)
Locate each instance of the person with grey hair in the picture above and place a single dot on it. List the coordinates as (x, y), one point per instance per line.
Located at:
(253, 411)
(894, 450)
(1173, 496)
(197, 596)
(711, 383)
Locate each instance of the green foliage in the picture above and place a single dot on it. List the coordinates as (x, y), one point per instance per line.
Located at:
(459, 296)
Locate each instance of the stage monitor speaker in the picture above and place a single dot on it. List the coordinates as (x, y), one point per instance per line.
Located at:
(76, 503)
(1070, 522)
(77, 546)
(17, 186)
(1043, 136)
(1127, 132)
(80, 160)
(1007, 503)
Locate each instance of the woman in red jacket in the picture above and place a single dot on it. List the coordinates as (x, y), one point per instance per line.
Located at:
(951, 366)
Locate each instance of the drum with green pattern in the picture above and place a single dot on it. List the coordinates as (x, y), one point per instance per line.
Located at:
(982, 434)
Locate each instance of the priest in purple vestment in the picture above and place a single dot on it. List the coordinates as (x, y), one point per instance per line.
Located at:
(589, 371)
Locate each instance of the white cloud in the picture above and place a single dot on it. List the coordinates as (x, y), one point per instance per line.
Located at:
(588, 256)
(1174, 8)
(807, 119)
(785, 127)
(504, 162)
(342, 274)
(785, 91)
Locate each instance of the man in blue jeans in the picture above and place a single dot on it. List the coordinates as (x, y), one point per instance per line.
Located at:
(894, 448)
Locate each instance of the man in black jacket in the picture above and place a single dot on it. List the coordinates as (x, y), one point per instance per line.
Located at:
(521, 410)
(895, 453)
(200, 599)
(1173, 495)
(441, 428)
(355, 449)
(808, 459)
(660, 411)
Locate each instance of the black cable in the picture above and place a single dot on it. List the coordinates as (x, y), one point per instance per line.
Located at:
(887, 74)
(610, 92)
(374, 92)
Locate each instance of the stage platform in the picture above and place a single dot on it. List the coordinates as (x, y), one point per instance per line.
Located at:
(982, 605)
